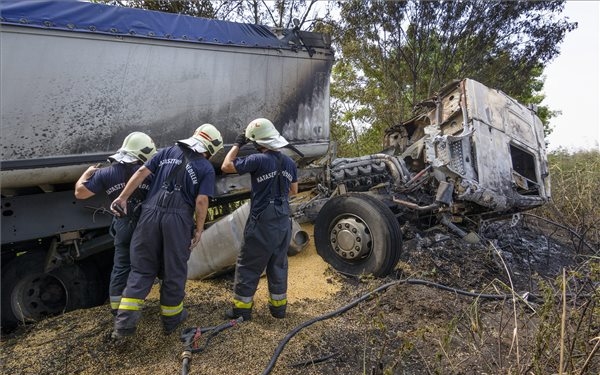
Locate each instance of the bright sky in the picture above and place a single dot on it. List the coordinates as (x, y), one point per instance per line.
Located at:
(573, 81)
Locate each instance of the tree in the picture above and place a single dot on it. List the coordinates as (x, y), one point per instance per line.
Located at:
(404, 50)
(276, 14)
(198, 8)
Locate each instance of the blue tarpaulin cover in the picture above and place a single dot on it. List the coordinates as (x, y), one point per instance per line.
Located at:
(80, 16)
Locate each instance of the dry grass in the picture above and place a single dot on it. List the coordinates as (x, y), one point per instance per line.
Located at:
(575, 190)
(408, 329)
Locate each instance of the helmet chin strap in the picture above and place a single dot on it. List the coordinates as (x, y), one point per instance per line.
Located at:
(257, 146)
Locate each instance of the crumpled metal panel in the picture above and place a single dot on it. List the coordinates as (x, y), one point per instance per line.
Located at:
(498, 122)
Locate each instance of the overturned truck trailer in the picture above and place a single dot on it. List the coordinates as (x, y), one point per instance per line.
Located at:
(469, 154)
(77, 77)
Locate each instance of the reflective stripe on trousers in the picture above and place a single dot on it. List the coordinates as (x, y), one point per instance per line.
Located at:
(277, 300)
(132, 304)
(241, 302)
(171, 310)
(115, 301)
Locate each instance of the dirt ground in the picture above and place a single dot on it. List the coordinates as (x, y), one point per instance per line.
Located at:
(337, 325)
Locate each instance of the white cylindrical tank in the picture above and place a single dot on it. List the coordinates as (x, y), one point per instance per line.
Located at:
(220, 244)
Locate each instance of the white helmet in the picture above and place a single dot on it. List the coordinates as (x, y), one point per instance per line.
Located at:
(205, 138)
(263, 132)
(137, 146)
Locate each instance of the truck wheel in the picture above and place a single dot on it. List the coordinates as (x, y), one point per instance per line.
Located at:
(358, 234)
(29, 294)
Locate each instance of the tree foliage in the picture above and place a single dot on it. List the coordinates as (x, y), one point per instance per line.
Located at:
(402, 51)
(197, 8)
(277, 14)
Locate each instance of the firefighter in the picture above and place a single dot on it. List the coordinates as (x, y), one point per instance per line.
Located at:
(269, 227)
(137, 149)
(184, 179)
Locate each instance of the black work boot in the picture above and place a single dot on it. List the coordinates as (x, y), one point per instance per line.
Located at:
(170, 325)
(235, 313)
(121, 333)
(278, 312)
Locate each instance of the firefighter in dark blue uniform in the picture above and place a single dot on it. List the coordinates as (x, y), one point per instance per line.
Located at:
(137, 149)
(269, 227)
(184, 180)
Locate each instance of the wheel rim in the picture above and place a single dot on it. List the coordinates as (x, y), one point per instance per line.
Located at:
(350, 238)
(38, 296)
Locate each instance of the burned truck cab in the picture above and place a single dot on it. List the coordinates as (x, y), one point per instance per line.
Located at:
(487, 146)
(469, 154)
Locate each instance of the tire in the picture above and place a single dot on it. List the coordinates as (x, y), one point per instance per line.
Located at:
(30, 295)
(358, 235)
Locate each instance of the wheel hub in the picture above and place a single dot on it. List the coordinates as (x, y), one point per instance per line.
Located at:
(38, 296)
(350, 238)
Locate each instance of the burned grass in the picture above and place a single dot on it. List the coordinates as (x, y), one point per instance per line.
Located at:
(407, 328)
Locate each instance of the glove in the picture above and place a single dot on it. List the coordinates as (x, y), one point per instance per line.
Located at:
(241, 140)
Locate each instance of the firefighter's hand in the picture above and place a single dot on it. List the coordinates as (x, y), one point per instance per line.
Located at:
(241, 140)
(119, 207)
(196, 238)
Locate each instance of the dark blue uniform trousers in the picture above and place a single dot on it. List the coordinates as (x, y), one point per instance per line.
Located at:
(121, 230)
(160, 247)
(266, 241)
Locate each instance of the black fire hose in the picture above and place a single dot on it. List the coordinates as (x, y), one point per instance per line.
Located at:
(352, 304)
(191, 338)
